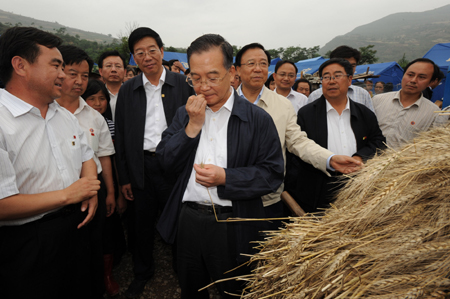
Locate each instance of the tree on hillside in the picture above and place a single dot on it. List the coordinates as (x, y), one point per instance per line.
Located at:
(235, 49)
(275, 52)
(294, 54)
(368, 55)
(403, 62)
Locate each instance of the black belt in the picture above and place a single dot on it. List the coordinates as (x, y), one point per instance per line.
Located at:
(151, 154)
(206, 209)
(63, 212)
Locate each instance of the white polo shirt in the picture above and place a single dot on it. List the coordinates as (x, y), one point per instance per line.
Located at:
(97, 131)
(38, 155)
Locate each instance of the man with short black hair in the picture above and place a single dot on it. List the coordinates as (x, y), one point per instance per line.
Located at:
(111, 66)
(303, 86)
(337, 123)
(284, 76)
(77, 68)
(146, 106)
(44, 205)
(428, 92)
(403, 114)
(356, 93)
(228, 155)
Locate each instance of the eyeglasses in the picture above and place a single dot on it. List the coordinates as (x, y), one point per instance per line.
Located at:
(110, 66)
(327, 78)
(142, 54)
(283, 75)
(252, 64)
(197, 82)
(300, 89)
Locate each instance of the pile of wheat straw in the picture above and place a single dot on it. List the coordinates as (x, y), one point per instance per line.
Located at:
(388, 235)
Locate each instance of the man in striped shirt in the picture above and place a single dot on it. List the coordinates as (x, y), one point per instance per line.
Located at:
(404, 113)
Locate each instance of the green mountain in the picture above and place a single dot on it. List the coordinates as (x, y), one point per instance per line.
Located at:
(13, 19)
(412, 33)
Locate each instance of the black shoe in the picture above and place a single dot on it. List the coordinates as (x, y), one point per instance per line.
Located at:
(136, 288)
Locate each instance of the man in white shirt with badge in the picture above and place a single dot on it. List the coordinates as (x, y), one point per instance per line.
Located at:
(43, 153)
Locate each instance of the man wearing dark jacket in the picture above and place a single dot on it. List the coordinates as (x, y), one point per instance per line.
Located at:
(145, 107)
(227, 154)
(337, 123)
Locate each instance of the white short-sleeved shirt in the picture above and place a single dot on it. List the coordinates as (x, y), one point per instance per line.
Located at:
(38, 155)
(297, 99)
(97, 131)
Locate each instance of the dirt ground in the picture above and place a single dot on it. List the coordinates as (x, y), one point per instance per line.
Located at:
(163, 285)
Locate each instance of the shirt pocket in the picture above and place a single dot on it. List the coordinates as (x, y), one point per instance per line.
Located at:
(75, 152)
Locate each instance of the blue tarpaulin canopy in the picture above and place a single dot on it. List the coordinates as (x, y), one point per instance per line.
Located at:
(440, 54)
(308, 66)
(388, 72)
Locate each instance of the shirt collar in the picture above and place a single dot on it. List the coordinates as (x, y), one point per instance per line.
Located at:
(162, 79)
(18, 107)
(397, 98)
(81, 104)
(239, 91)
(228, 104)
(329, 107)
(110, 93)
(290, 92)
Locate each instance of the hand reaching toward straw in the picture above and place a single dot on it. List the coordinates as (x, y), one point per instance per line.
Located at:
(209, 175)
(346, 164)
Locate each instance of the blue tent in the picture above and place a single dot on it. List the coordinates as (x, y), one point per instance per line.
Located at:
(440, 54)
(388, 72)
(275, 60)
(308, 66)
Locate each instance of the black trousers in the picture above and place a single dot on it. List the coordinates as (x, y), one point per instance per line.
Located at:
(48, 258)
(205, 253)
(143, 214)
(96, 229)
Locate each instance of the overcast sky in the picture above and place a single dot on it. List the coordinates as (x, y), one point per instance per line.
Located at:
(274, 23)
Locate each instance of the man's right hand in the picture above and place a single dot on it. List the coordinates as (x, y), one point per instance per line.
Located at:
(127, 193)
(195, 108)
(81, 190)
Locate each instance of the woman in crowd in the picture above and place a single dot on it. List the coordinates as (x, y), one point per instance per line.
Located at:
(379, 87)
(270, 83)
(97, 96)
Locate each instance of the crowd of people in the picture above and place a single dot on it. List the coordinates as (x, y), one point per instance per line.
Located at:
(199, 155)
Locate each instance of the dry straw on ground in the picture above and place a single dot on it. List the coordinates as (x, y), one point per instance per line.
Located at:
(388, 235)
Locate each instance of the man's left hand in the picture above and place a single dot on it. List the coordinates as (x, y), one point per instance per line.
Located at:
(346, 164)
(209, 175)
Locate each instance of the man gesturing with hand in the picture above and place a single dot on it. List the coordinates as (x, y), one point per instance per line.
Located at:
(44, 204)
